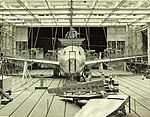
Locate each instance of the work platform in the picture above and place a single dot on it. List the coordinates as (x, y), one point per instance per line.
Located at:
(107, 107)
(29, 102)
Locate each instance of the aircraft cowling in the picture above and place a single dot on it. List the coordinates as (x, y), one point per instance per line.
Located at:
(72, 65)
(72, 60)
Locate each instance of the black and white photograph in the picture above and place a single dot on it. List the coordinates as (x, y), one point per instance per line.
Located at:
(74, 58)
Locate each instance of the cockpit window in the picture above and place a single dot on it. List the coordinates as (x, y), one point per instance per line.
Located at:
(79, 53)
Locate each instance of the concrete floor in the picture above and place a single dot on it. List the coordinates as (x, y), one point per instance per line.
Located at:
(139, 90)
(134, 86)
(29, 102)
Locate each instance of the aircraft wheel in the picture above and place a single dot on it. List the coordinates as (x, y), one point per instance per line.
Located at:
(9, 92)
(78, 78)
(75, 102)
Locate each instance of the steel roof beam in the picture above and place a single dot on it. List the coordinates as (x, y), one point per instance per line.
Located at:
(26, 8)
(51, 11)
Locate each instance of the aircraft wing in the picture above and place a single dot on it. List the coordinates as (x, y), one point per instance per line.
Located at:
(111, 60)
(80, 97)
(36, 60)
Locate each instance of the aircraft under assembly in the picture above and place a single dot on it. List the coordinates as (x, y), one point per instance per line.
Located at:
(77, 86)
(74, 89)
(74, 58)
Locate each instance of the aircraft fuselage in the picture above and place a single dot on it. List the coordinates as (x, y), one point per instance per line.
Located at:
(72, 60)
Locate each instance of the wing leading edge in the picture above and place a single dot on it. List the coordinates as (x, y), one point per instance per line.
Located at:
(111, 60)
(35, 61)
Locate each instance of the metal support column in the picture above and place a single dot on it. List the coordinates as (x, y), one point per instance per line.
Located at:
(125, 66)
(41, 83)
(129, 104)
(128, 41)
(148, 41)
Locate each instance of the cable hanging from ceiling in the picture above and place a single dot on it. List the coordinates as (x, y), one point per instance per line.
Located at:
(87, 35)
(54, 39)
(36, 37)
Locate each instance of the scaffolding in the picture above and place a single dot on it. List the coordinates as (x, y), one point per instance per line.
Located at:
(134, 45)
(22, 48)
(114, 49)
(7, 37)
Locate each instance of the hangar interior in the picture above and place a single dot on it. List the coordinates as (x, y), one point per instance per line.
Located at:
(30, 29)
(124, 19)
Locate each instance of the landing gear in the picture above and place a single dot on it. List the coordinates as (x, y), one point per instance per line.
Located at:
(78, 78)
(56, 72)
(9, 92)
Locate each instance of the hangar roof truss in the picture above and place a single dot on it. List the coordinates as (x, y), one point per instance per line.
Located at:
(85, 12)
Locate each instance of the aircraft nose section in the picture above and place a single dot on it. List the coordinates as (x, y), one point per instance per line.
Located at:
(72, 65)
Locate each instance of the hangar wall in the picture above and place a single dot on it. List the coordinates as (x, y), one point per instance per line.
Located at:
(123, 41)
(116, 41)
(21, 41)
(116, 34)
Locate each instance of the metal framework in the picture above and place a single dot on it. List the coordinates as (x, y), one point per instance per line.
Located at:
(40, 13)
(7, 36)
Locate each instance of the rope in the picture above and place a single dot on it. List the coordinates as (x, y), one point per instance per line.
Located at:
(36, 37)
(54, 43)
(104, 33)
(87, 38)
